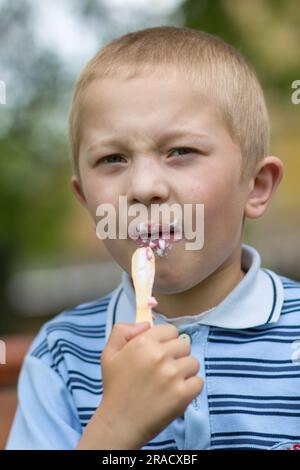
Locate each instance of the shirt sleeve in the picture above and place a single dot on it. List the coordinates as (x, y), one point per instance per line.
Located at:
(46, 417)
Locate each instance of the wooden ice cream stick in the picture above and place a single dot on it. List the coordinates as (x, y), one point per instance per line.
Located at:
(143, 272)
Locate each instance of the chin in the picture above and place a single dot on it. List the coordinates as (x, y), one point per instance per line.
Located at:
(169, 284)
(173, 282)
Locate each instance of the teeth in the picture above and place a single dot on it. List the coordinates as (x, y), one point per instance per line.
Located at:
(162, 244)
(154, 234)
(155, 239)
(142, 228)
(159, 252)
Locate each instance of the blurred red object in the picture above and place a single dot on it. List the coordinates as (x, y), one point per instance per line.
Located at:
(15, 350)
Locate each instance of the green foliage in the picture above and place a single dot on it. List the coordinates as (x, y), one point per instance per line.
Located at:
(33, 152)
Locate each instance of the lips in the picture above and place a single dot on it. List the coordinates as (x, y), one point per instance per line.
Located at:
(158, 237)
(151, 231)
(161, 233)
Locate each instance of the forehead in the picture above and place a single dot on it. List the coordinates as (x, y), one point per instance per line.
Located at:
(148, 104)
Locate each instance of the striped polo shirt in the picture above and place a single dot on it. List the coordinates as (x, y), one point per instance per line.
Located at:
(248, 347)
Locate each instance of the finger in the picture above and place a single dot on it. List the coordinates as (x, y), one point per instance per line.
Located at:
(163, 333)
(177, 348)
(193, 386)
(188, 366)
(121, 334)
(138, 329)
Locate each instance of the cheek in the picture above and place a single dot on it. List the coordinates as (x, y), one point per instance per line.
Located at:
(96, 193)
(119, 252)
(224, 212)
(211, 184)
(222, 197)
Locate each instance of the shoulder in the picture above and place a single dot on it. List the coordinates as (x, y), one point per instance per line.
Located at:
(291, 301)
(290, 284)
(75, 330)
(61, 372)
(291, 289)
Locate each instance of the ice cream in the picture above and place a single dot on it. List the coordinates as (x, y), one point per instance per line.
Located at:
(143, 272)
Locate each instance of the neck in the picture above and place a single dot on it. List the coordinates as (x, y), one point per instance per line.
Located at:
(205, 295)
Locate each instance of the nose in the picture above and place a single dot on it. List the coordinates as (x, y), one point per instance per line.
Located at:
(147, 183)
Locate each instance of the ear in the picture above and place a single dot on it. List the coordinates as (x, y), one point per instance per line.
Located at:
(77, 190)
(267, 177)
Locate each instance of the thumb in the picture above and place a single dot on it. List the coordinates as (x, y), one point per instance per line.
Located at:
(121, 334)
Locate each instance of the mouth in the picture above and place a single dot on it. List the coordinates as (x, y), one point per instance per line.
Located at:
(159, 238)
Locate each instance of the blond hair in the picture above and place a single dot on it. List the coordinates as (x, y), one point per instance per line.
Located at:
(220, 71)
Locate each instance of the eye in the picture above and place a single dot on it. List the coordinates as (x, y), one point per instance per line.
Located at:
(115, 158)
(182, 150)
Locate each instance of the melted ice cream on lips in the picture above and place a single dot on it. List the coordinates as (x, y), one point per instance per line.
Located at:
(158, 237)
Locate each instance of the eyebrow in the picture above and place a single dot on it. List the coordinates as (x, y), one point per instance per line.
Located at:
(163, 139)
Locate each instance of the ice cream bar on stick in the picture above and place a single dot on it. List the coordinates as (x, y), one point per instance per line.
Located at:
(143, 272)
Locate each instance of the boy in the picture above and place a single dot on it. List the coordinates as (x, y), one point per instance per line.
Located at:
(171, 115)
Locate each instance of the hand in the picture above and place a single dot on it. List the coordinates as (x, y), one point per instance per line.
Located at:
(149, 378)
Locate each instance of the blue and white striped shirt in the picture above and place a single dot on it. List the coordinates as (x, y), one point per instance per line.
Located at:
(248, 347)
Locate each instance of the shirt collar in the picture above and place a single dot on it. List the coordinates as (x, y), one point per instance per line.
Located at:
(256, 300)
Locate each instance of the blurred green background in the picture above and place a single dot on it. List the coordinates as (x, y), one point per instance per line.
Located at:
(50, 257)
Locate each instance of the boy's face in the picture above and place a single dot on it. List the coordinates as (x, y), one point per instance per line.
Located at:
(143, 121)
